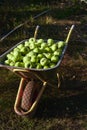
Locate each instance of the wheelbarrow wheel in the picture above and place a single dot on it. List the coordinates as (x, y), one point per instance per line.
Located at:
(29, 95)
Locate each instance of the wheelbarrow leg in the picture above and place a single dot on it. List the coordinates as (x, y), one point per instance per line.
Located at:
(58, 78)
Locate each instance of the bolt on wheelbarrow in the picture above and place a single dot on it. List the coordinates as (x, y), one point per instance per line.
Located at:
(33, 81)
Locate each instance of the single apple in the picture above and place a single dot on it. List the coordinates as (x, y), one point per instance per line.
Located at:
(58, 52)
(32, 40)
(45, 67)
(54, 47)
(61, 44)
(39, 41)
(43, 45)
(38, 66)
(52, 65)
(12, 64)
(32, 46)
(50, 41)
(7, 62)
(24, 50)
(47, 49)
(30, 54)
(54, 58)
(16, 53)
(20, 46)
(48, 55)
(33, 59)
(9, 56)
(26, 58)
(26, 44)
(36, 50)
(43, 61)
(27, 64)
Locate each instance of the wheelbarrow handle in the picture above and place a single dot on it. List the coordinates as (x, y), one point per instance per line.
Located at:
(69, 34)
(22, 70)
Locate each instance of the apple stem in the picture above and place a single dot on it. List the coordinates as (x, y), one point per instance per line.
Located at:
(68, 36)
(36, 31)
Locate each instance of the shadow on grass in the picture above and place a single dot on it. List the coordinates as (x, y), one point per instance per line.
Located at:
(68, 102)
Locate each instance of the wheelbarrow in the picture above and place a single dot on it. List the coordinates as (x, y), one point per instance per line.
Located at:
(33, 81)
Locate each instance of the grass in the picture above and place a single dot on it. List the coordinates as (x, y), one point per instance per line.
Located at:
(59, 109)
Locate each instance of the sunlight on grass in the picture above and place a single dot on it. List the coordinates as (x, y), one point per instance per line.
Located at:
(49, 20)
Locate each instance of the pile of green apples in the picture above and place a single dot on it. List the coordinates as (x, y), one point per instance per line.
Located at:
(36, 53)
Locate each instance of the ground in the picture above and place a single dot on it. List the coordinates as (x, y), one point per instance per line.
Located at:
(63, 108)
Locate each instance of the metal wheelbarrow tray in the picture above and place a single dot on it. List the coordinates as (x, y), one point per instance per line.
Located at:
(31, 77)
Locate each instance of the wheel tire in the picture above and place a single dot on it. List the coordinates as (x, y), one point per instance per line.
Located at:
(27, 97)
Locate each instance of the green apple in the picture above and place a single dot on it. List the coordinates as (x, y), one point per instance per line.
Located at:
(36, 50)
(9, 56)
(12, 52)
(43, 45)
(17, 56)
(14, 59)
(39, 66)
(32, 46)
(24, 50)
(16, 53)
(39, 41)
(54, 47)
(16, 49)
(7, 61)
(32, 65)
(41, 49)
(45, 67)
(43, 61)
(54, 58)
(31, 53)
(19, 64)
(58, 52)
(39, 56)
(26, 58)
(50, 41)
(61, 44)
(26, 44)
(32, 40)
(27, 64)
(20, 46)
(52, 65)
(12, 64)
(47, 49)
(48, 55)
(33, 59)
